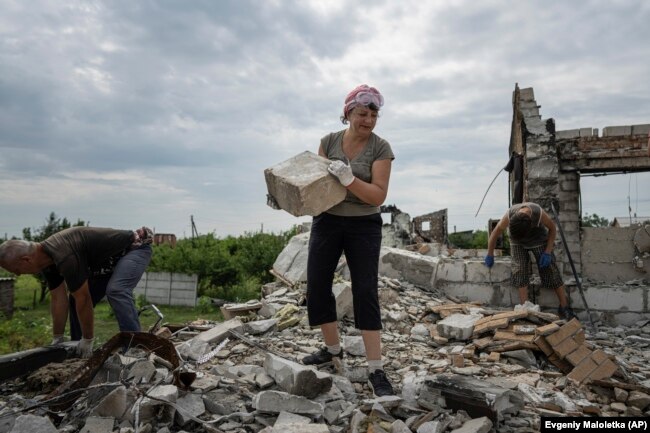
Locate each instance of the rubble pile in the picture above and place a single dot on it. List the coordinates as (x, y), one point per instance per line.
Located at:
(456, 367)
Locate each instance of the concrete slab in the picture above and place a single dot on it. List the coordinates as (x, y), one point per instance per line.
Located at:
(302, 185)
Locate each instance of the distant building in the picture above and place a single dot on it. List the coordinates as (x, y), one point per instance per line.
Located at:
(629, 221)
(164, 238)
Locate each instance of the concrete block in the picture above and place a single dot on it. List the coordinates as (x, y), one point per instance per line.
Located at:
(302, 185)
(570, 186)
(190, 405)
(409, 266)
(568, 133)
(526, 94)
(276, 402)
(642, 239)
(291, 263)
(343, 295)
(457, 326)
(31, 423)
(586, 132)
(112, 405)
(353, 345)
(296, 378)
(300, 428)
(641, 129)
(219, 332)
(95, 424)
(451, 270)
(615, 131)
(626, 298)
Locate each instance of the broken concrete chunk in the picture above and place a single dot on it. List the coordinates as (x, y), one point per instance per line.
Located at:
(190, 405)
(478, 425)
(291, 418)
(296, 378)
(343, 295)
(302, 185)
(277, 401)
(260, 326)
(113, 405)
(220, 332)
(639, 400)
(473, 395)
(457, 326)
(300, 428)
(96, 424)
(354, 346)
(32, 423)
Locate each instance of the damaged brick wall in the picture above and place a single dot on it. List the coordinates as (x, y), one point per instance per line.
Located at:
(554, 161)
(431, 227)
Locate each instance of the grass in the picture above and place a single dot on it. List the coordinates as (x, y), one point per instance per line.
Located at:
(31, 324)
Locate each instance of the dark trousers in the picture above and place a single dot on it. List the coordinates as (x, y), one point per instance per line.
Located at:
(360, 239)
(118, 289)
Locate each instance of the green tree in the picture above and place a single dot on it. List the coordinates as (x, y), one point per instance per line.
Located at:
(232, 268)
(476, 239)
(594, 220)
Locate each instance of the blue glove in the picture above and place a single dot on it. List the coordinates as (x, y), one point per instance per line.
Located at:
(545, 260)
(489, 261)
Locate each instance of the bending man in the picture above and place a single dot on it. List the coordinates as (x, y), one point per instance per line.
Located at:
(531, 231)
(80, 258)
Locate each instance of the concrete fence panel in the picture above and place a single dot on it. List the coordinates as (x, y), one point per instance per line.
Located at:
(168, 288)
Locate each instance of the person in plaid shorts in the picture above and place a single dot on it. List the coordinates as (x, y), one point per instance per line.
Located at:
(531, 231)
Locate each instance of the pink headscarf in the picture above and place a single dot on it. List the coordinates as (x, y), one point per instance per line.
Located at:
(362, 95)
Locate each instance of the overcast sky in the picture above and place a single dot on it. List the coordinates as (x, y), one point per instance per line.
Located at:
(124, 113)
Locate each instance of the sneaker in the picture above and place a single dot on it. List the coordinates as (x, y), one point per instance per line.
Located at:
(379, 384)
(323, 356)
(566, 313)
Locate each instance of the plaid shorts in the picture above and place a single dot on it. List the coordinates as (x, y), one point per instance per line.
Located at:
(522, 268)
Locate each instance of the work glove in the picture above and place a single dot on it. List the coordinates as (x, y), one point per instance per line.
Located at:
(545, 260)
(57, 339)
(342, 171)
(85, 347)
(489, 261)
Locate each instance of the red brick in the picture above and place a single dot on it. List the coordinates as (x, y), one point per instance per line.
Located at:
(567, 330)
(578, 355)
(583, 370)
(604, 370)
(564, 348)
(547, 329)
(543, 345)
(599, 356)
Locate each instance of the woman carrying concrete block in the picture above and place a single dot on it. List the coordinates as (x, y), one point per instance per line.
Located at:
(361, 161)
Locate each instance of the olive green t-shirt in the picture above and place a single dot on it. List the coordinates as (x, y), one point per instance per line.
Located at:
(376, 149)
(78, 251)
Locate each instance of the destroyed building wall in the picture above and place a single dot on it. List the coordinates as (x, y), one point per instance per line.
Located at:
(431, 227)
(554, 161)
(396, 233)
(608, 255)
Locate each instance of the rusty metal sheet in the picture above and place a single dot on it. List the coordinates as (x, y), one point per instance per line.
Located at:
(84, 376)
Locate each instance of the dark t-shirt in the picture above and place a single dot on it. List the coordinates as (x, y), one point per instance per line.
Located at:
(80, 253)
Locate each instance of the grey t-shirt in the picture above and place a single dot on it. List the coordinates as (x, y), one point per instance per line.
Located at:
(376, 149)
(538, 235)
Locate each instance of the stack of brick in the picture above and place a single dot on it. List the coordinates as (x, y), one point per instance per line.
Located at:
(566, 349)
